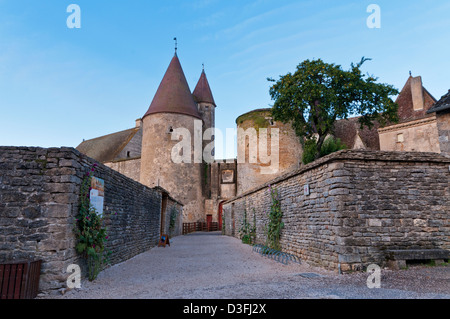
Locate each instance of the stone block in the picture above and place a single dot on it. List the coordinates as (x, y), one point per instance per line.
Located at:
(374, 222)
(349, 258)
(57, 211)
(420, 222)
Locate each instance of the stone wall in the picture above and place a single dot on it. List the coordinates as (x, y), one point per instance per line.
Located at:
(414, 136)
(361, 204)
(39, 198)
(174, 208)
(130, 168)
(443, 124)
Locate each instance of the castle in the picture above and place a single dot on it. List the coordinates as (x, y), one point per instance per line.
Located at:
(385, 200)
(144, 152)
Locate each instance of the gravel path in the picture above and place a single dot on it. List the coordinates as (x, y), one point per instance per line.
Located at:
(211, 266)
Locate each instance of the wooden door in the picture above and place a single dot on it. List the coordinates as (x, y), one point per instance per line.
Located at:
(208, 222)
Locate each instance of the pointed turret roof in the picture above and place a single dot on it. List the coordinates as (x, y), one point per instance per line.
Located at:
(202, 92)
(173, 94)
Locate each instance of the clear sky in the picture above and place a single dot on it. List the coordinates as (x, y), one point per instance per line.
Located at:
(59, 86)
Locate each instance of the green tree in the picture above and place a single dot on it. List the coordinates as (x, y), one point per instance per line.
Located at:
(330, 145)
(318, 94)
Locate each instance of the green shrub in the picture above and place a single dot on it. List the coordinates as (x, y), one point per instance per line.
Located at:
(330, 145)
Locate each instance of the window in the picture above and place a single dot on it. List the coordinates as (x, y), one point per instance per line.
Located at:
(128, 154)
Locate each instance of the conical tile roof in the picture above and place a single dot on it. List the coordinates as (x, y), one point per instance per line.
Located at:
(202, 92)
(173, 94)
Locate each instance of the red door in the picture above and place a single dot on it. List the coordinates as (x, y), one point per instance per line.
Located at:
(208, 222)
(220, 215)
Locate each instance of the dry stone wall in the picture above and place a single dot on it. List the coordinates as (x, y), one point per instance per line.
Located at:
(361, 205)
(39, 198)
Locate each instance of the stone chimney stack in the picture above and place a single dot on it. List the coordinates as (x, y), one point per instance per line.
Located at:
(138, 123)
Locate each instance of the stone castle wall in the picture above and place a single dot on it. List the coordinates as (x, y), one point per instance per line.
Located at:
(39, 198)
(184, 180)
(361, 204)
(130, 168)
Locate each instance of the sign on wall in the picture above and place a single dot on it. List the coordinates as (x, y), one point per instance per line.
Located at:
(306, 190)
(97, 194)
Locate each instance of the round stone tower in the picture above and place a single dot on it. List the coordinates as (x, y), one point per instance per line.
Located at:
(255, 152)
(172, 118)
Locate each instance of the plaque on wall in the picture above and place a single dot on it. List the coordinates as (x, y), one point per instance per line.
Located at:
(97, 194)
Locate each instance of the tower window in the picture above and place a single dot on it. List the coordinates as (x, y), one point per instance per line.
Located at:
(128, 154)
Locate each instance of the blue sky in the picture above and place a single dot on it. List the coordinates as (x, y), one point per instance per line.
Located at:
(59, 86)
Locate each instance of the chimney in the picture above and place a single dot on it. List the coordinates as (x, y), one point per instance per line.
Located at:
(417, 93)
(138, 123)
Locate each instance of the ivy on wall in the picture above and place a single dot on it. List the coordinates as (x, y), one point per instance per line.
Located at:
(90, 234)
(173, 218)
(275, 225)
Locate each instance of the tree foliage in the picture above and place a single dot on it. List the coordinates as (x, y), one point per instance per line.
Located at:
(330, 145)
(318, 94)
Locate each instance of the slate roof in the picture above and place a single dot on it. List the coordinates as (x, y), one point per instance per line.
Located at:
(202, 92)
(442, 105)
(173, 94)
(106, 148)
(347, 130)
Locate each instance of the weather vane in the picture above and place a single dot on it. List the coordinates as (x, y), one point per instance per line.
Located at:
(176, 45)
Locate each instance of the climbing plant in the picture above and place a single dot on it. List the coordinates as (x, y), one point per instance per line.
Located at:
(253, 229)
(275, 225)
(173, 218)
(223, 224)
(90, 234)
(244, 231)
(247, 231)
